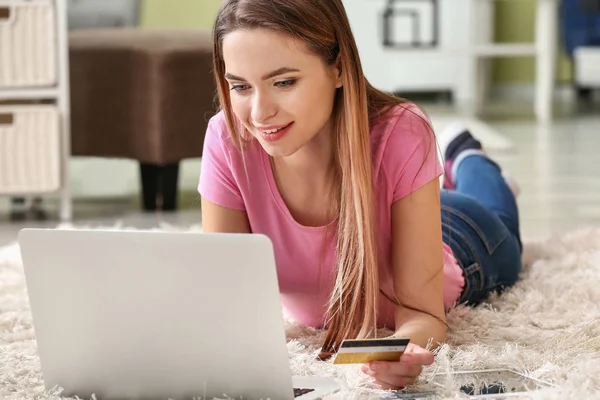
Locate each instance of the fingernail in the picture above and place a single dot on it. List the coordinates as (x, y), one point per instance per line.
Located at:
(373, 366)
(406, 357)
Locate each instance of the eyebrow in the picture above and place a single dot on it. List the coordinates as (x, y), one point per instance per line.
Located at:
(280, 71)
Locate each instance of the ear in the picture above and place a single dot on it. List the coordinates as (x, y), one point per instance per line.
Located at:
(337, 69)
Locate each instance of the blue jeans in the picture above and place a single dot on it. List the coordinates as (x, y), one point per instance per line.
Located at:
(480, 223)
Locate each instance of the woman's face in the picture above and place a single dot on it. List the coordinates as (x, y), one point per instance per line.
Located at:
(282, 93)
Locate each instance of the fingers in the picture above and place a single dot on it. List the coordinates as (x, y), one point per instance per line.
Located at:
(397, 383)
(397, 368)
(418, 355)
(398, 374)
(393, 374)
(387, 381)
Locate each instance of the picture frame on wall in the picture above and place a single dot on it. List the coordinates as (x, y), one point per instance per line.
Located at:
(411, 24)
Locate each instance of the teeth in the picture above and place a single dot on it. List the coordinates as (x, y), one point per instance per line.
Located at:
(272, 131)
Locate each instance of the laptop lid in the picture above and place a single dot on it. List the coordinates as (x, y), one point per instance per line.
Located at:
(142, 314)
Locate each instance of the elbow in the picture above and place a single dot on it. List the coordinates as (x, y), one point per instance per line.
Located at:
(441, 336)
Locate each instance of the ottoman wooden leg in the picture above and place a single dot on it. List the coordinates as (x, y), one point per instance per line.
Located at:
(159, 186)
(149, 174)
(169, 180)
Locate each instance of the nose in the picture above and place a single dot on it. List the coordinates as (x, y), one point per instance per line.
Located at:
(263, 108)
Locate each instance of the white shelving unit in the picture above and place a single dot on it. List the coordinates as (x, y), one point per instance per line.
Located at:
(458, 59)
(35, 101)
(543, 49)
(426, 48)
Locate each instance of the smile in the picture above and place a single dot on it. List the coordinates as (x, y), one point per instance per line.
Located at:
(274, 133)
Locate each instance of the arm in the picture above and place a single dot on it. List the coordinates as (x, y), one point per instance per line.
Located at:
(219, 219)
(417, 262)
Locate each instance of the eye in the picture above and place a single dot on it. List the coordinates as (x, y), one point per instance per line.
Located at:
(240, 88)
(286, 83)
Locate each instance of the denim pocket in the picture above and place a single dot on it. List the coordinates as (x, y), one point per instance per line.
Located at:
(484, 223)
(466, 254)
(482, 245)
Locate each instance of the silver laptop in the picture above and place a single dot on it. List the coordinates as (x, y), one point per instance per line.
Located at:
(140, 314)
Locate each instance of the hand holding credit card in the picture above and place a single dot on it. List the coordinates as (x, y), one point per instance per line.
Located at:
(360, 351)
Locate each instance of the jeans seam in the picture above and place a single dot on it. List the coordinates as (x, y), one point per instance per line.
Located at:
(475, 227)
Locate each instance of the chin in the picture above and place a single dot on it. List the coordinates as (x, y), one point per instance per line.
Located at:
(276, 150)
(283, 147)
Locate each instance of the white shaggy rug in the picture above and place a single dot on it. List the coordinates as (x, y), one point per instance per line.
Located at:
(548, 326)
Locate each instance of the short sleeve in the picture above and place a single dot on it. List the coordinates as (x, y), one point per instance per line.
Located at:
(217, 182)
(411, 156)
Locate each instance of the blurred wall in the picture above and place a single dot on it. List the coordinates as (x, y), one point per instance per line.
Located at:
(515, 21)
(93, 177)
(178, 13)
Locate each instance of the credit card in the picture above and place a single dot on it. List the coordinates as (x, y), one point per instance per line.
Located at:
(360, 351)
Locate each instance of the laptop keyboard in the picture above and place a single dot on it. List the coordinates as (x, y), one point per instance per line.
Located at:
(300, 392)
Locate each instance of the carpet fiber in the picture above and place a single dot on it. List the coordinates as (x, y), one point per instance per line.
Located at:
(548, 327)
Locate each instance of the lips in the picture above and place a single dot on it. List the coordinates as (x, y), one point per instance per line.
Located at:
(274, 132)
(272, 129)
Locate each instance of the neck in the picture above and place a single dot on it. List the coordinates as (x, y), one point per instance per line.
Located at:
(314, 161)
(306, 181)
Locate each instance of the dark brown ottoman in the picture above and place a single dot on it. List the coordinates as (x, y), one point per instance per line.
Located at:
(145, 95)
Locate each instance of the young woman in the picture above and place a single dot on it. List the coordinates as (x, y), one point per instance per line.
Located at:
(344, 180)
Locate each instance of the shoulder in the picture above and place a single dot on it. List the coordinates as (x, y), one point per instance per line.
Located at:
(220, 166)
(218, 131)
(219, 147)
(218, 137)
(405, 123)
(401, 132)
(405, 149)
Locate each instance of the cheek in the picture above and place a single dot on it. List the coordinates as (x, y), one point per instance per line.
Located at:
(240, 107)
(318, 106)
(312, 102)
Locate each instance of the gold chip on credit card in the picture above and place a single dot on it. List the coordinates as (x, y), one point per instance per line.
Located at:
(360, 351)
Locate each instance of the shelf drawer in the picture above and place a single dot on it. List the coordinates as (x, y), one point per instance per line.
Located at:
(27, 44)
(30, 150)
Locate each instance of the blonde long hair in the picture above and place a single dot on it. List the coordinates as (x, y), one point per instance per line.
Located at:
(323, 25)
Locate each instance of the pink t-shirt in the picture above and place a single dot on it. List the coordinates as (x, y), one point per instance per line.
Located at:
(305, 262)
